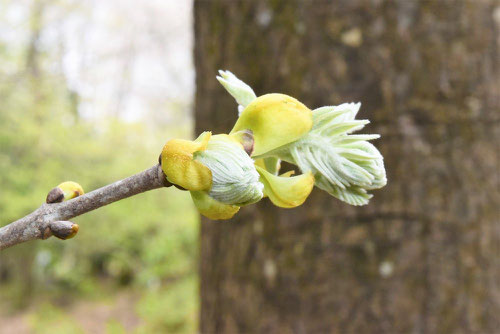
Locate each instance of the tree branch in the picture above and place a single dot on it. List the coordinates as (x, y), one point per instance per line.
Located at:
(51, 219)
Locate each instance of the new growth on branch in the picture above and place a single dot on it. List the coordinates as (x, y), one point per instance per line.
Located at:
(224, 172)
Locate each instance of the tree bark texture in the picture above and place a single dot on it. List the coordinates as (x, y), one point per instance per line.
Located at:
(423, 256)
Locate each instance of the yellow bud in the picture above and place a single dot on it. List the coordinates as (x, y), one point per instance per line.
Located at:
(65, 191)
(211, 208)
(275, 120)
(179, 166)
(285, 191)
(71, 189)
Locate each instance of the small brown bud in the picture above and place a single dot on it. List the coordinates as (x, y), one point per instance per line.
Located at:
(56, 195)
(64, 229)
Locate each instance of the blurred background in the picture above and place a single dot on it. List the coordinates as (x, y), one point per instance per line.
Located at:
(91, 90)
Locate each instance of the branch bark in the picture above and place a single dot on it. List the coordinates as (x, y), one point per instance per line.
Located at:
(39, 223)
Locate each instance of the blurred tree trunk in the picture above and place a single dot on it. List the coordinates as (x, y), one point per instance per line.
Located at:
(424, 255)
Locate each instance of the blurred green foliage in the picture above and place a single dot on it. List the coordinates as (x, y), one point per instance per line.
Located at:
(144, 246)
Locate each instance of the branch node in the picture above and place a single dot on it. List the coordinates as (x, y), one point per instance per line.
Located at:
(51, 219)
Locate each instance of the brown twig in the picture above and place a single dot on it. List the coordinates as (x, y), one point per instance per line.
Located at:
(51, 219)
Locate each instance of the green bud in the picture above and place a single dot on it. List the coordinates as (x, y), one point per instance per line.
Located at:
(235, 180)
